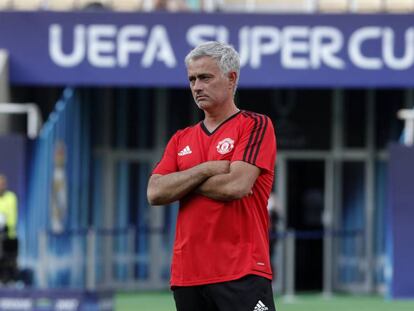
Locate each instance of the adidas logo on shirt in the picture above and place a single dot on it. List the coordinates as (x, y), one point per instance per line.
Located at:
(260, 306)
(185, 151)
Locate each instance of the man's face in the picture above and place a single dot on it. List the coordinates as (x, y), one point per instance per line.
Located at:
(209, 86)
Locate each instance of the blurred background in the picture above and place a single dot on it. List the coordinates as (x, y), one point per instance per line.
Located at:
(91, 91)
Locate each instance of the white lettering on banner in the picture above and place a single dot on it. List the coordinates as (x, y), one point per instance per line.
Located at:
(158, 48)
(265, 40)
(388, 47)
(130, 41)
(101, 46)
(355, 48)
(291, 47)
(244, 45)
(295, 41)
(387, 42)
(325, 43)
(107, 46)
(203, 33)
(70, 304)
(56, 50)
(318, 45)
(16, 304)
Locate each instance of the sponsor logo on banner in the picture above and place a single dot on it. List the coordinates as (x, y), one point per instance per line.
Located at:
(106, 305)
(44, 304)
(68, 304)
(17, 303)
(50, 300)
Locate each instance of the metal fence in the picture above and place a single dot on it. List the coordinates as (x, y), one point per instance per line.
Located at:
(83, 260)
(101, 259)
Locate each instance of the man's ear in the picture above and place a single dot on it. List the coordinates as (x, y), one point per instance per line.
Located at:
(232, 75)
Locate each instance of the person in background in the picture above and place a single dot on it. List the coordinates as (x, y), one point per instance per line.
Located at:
(170, 5)
(8, 208)
(274, 209)
(8, 236)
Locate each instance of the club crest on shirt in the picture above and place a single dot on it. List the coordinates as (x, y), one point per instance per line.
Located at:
(225, 146)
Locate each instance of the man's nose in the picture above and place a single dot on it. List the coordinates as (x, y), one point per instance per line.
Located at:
(197, 85)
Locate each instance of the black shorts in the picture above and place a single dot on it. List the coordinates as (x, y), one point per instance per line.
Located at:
(250, 293)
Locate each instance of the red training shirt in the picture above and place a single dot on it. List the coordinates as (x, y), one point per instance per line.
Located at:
(221, 241)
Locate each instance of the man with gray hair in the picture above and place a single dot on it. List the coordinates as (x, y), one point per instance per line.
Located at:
(221, 170)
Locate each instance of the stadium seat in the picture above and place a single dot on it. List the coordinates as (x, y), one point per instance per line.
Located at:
(127, 5)
(83, 4)
(367, 6)
(5, 4)
(60, 5)
(270, 6)
(333, 6)
(225, 5)
(27, 5)
(399, 6)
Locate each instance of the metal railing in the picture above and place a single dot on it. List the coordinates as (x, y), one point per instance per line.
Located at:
(82, 260)
(4, 76)
(98, 259)
(34, 118)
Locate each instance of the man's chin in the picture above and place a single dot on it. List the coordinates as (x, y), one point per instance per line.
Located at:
(202, 104)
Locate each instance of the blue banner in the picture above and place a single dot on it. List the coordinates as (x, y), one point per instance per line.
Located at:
(147, 49)
(55, 300)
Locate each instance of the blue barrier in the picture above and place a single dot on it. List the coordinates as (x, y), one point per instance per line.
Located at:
(59, 184)
(55, 300)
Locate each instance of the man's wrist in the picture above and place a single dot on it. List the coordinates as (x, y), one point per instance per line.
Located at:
(208, 169)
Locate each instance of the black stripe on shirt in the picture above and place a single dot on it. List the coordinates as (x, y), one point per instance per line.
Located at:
(249, 115)
(256, 139)
(254, 135)
(259, 144)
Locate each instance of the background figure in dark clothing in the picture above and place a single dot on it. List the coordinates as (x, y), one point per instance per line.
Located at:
(274, 209)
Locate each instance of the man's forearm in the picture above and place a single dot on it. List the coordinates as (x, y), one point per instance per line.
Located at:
(216, 188)
(164, 189)
(235, 184)
(221, 188)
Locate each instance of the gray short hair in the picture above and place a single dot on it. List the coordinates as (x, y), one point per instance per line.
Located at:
(225, 55)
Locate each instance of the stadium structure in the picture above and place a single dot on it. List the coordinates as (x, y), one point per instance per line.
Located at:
(91, 91)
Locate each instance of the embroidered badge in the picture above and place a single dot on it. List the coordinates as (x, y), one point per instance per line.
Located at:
(225, 146)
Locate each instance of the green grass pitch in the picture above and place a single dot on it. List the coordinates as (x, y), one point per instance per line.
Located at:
(163, 301)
